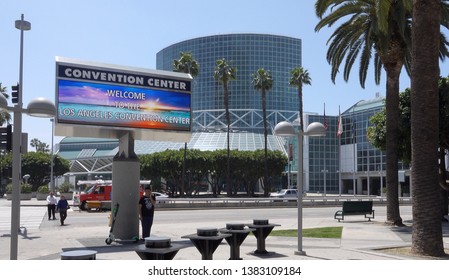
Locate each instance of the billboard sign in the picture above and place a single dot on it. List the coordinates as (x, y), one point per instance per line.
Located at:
(121, 98)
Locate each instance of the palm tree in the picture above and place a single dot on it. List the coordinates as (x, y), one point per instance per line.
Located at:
(39, 145)
(185, 64)
(300, 77)
(223, 74)
(5, 117)
(427, 238)
(382, 27)
(263, 81)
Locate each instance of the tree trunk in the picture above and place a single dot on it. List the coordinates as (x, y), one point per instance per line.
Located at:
(267, 183)
(427, 237)
(301, 117)
(392, 105)
(228, 123)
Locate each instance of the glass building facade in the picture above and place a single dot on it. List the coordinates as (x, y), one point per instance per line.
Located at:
(247, 53)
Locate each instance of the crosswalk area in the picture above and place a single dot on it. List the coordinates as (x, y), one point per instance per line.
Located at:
(30, 218)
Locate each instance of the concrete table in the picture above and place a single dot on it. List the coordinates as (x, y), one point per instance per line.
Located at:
(206, 240)
(158, 248)
(79, 255)
(238, 235)
(262, 228)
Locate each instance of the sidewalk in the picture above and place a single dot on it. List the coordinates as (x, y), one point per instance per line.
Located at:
(360, 240)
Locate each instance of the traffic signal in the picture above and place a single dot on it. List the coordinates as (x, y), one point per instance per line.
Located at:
(15, 93)
(9, 137)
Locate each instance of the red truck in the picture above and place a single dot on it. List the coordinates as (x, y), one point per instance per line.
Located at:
(99, 191)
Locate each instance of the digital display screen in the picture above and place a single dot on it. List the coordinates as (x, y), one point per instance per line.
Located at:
(110, 97)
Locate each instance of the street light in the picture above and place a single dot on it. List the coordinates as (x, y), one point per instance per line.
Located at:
(38, 107)
(26, 177)
(286, 129)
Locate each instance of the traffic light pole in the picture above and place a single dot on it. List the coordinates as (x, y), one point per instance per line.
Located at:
(16, 151)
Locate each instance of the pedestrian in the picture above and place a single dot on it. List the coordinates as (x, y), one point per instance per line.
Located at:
(62, 207)
(51, 206)
(146, 211)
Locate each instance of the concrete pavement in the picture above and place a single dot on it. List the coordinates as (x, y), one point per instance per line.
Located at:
(41, 239)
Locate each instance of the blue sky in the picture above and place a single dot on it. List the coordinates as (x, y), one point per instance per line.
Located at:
(131, 32)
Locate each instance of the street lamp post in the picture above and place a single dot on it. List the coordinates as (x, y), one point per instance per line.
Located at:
(286, 129)
(22, 25)
(325, 171)
(52, 179)
(39, 107)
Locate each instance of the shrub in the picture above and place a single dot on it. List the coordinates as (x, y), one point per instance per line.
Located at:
(24, 188)
(65, 188)
(43, 189)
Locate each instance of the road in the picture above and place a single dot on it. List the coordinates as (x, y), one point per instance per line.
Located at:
(188, 220)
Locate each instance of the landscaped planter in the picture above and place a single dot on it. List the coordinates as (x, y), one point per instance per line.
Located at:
(26, 196)
(68, 195)
(23, 196)
(41, 196)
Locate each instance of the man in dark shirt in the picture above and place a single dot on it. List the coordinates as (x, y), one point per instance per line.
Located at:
(146, 211)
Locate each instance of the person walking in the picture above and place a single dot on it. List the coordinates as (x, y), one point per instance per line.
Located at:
(146, 211)
(62, 207)
(51, 206)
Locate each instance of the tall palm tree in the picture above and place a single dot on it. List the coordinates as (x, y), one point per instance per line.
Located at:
(382, 28)
(263, 82)
(185, 64)
(5, 117)
(223, 74)
(427, 238)
(299, 77)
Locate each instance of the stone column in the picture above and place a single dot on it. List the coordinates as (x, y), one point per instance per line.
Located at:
(125, 189)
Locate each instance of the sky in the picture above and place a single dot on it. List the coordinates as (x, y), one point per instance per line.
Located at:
(131, 32)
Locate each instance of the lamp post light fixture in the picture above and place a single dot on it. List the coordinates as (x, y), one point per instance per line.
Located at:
(38, 107)
(26, 177)
(286, 129)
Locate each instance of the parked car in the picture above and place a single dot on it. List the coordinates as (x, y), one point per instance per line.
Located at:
(160, 197)
(285, 193)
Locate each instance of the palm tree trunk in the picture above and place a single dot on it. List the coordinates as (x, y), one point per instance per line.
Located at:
(427, 237)
(301, 117)
(443, 185)
(392, 108)
(267, 186)
(228, 123)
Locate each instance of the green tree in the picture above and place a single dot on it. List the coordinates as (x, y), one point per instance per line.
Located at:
(427, 236)
(37, 165)
(263, 82)
(39, 145)
(223, 74)
(5, 117)
(299, 77)
(382, 28)
(186, 64)
(207, 166)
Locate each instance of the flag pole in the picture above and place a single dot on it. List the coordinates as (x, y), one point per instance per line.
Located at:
(339, 131)
(354, 155)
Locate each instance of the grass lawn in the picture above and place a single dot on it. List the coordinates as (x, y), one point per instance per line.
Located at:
(324, 232)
